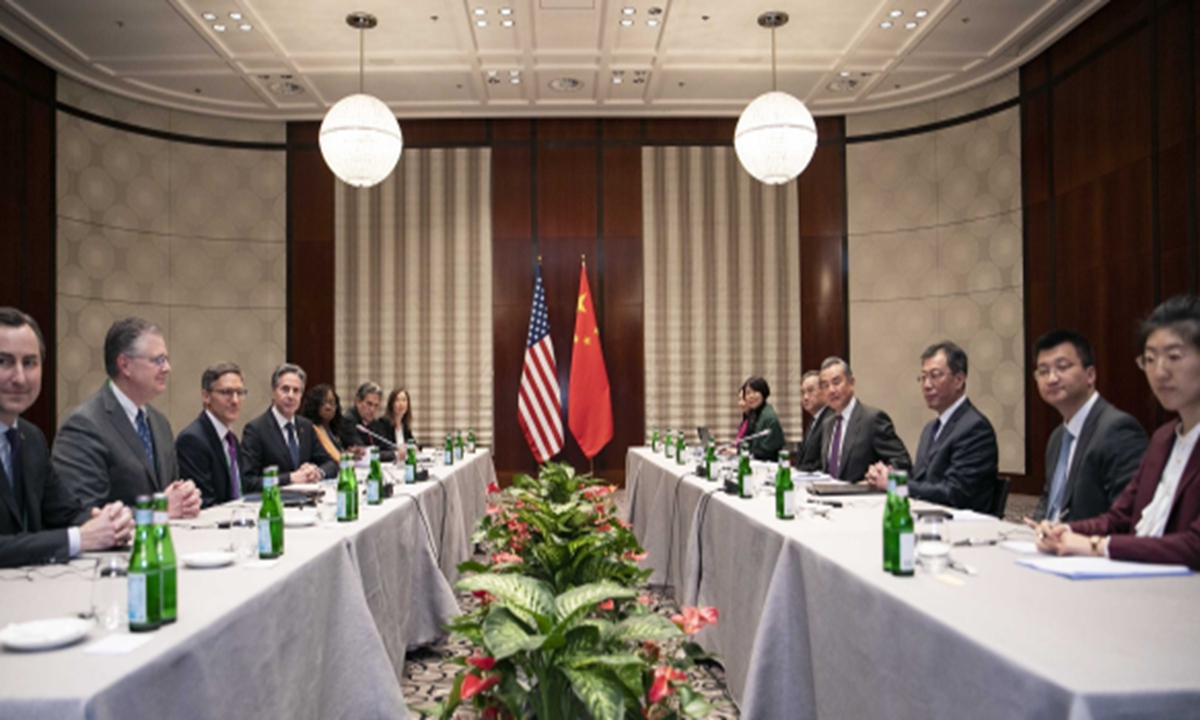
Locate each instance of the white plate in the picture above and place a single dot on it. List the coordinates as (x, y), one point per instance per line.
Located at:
(212, 559)
(44, 634)
(299, 519)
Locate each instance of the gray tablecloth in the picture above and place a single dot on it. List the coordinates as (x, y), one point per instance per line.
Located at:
(321, 634)
(812, 627)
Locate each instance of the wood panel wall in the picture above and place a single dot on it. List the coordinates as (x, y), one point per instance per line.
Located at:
(1109, 140)
(27, 206)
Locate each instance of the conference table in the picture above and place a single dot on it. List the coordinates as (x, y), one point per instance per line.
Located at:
(812, 627)
(320, 633)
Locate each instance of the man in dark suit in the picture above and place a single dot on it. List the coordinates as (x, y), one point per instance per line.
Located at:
(282, 438)
(365, 412)
(1093, 454)
(208, 449)
(40, 520)
(855, 436)
(957, 457)
(812, 401)
(115, 445)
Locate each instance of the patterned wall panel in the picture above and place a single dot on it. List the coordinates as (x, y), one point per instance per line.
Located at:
(414, 289)
(722, 290)
(188, 235)
(936, 253)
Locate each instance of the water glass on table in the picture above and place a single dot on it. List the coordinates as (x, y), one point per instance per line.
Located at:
(933, 542)
(327, 505)
(109, 592)
(243, 535)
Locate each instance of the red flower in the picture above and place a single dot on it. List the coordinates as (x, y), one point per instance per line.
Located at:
(472, 685)
(651, 650)
(606, 605)
(485, 597)
(599, 508)
(708, 614)
(482, 662)
(662, 683)
(493, 487)
(645, 599)
(493, 509)
(635, 556)
(605, 528)
(692, 620)
(596, 492)
(624, 524)
(502, 558)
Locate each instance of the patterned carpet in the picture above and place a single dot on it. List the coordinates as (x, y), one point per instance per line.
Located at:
(429, 672)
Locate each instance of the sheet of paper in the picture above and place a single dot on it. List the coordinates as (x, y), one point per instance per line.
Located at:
(1086, 568)
(973, 516)
(1021, 547)
(118, 644)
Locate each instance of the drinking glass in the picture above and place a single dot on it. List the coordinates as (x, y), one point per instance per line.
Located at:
(243, 536)
(327, 506)
(933, 542)
(109, 588)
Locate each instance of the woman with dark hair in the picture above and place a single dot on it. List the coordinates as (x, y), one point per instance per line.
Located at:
(743, 422)
(322, 406)
(1156, 518)
(397, 413)
(760, 417)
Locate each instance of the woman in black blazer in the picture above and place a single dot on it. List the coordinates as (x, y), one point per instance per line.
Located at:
(322, 406)
(397, 413)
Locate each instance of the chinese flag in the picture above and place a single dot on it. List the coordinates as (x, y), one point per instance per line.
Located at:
(590, 413)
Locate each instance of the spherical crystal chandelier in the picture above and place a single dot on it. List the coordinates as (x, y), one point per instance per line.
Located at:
(360, 138)
(776, 135)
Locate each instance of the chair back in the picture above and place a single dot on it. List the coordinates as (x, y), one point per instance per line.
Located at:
(1000, 496)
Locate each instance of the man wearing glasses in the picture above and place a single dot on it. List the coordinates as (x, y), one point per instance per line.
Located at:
(957, 455)
(1092, 455)
(209, 451)
(115, 445)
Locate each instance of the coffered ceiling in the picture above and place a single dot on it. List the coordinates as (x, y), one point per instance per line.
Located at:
(292, 59)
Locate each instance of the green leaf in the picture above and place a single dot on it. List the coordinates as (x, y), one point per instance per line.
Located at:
(603, 698)
(631, 676)
(692, 704)
(587, 596)
(613, 660)
(472, 566)
(646, 627)
(504, 636)
(531, 595)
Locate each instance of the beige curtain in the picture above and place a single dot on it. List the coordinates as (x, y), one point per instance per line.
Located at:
(414, 289)
(722, 284)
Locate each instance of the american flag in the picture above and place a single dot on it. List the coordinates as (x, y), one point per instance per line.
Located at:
(539, 407)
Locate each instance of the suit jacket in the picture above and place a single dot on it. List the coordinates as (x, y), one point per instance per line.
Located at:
(809, 457)
(960, 469)
(350, 435)
(1180, 542)
(766, 448)
(37, 532)
(204, 460)
(263, 445)
(388, 430)
(98, 452)
(868, 438)
(1107, 451)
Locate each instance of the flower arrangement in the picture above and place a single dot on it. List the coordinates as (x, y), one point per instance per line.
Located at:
(563, 629)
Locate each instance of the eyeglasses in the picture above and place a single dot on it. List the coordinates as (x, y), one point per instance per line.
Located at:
(230, 393)
(934, 375)
(158, 360)
(1147, 362)
(1060, 369)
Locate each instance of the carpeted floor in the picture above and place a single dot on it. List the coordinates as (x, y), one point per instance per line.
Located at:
(429, 672)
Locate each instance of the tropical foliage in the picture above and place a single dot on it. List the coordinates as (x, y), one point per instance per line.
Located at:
(563, 629)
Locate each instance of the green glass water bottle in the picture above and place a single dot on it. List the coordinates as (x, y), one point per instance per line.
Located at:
(270, 516)
(890, 539)
(449, 450)
(710, 458)
(144, 577)
(458, 445)
(375, 479)
(410, 466)
(347, 490)
(902, 521)
(785, 491)
(668, 446)
(472, 441)
(654, 440)
(166, 559)
(680, 450)
(743, 472)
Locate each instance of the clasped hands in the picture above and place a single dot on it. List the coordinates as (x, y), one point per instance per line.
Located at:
(1057, 539)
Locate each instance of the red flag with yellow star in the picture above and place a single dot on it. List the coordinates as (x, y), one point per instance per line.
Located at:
(589, 413)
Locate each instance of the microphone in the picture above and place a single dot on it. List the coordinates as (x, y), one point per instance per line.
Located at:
(381, 439)
(746, 439)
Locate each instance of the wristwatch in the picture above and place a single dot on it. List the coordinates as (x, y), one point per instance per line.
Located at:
(1095, 540)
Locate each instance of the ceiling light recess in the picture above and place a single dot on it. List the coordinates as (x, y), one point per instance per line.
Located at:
(209, 16)
(776, 135)
(921, 13)
(896, 13)
(360, 138)
(885, 24)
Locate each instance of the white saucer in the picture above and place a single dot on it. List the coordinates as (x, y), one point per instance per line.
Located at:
(211, 559)
(299, 519)
(44, 634)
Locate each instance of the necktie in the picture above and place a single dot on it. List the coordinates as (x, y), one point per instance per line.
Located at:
(835, 448)
(924, 459)
(143, 431)
(293, 446)
(1059, 485)
(13, 468)
(235, 476)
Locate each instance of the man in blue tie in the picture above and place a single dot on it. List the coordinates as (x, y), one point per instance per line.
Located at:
(957, 456)
(115, 445)
(40, 519)
(281, 437)
(1093, 454)
(209, 451)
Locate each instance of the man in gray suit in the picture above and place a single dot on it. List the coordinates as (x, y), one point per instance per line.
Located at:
(114, 445)
(957, 457)
(812, 401)
(1093, 454)
(855, 436)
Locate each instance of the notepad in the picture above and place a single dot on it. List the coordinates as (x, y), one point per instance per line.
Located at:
(1090, 568)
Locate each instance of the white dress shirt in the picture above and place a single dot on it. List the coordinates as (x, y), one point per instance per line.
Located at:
(1075, 427)
(6, 456)
(945, 417)
(1154, 517)
(130, 408)
(845, 413)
